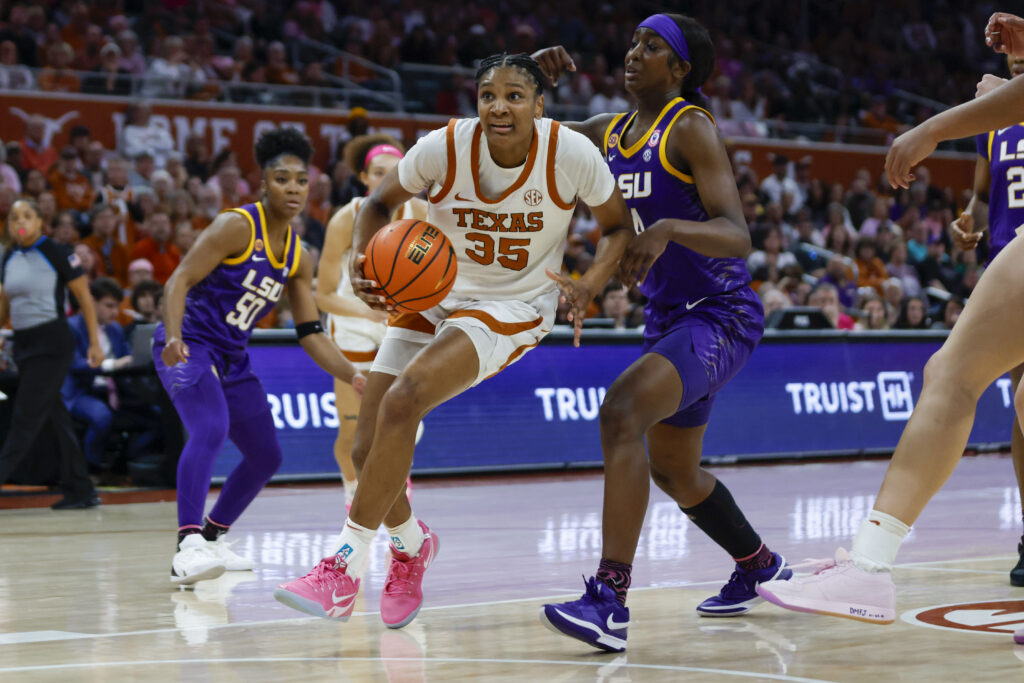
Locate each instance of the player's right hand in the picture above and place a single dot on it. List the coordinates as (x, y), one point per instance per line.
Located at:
(176, 351)
(1005, 34)
(962, 232)
(987, 84)
(554, 61)
(906, 152)
(367, 290)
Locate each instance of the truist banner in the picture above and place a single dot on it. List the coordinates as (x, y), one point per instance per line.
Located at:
(798, 396)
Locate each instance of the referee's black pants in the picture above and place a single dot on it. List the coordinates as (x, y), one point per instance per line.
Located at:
(44, 355)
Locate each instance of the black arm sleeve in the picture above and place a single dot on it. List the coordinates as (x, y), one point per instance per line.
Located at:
(63, 259)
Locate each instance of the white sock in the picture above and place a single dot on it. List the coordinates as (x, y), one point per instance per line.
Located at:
(350, 489)
(354, 547)
(407, 536)
(877, 542)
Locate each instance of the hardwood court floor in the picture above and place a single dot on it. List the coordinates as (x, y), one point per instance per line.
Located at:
(84, 596)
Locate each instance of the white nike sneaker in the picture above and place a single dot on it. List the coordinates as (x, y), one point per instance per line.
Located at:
(233, 562)
(195, 561)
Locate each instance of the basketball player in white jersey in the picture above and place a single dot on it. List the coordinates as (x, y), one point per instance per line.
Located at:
(355, 328)
(502, 187)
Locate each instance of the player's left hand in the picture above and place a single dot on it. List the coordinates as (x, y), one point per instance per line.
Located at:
(365, 289)
(95, 355)
(906, 151)
(554, 61)
(1004, 33)
(578, 296)
(642, 252)
(359, 383)
(987, 84)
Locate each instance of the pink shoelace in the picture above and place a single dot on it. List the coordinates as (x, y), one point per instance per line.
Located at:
(399, 577)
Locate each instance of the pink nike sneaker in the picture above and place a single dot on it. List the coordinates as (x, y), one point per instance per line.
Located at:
(327, 591)
(840, 589)
(402, 597)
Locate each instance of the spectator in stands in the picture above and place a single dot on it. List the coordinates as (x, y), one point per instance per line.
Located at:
(184, 238)
(162, 185)
(873, 315)
(859, 200)
(145, 306)
(773, 300)
(92, 397)
(8, 175)
(839, 275)
(173, 75)
(117, 193)
(779, 187)
(80, 137)
(157, 247)
(36, 151)
(607, 100)
(197, 160)
(766, 263)
(951, 311)
(87, 56)
(615, 304)
(57, 77)
(87, 257)
(141, 175)
(319, 206)
(969, 280)
(7, 198)
(229, 182)
(279, 71)
(132, 59)
(143, 134)
(209, 203)
(182, 210)
(837, 233)
(92, 163)
(109, 77)
(878, 117)
(64, 230)
(35, 184)
(111, 255)
(13, 75)
(175, 167)
(871, 271)
(71, 187)
(879, 218)
(937, 270)
(47, 209)
(913, 314)
(825, 297)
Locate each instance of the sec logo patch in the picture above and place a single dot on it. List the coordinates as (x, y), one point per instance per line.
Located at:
(258, 245)
(613, 140)
(533, 197)
(998, 617)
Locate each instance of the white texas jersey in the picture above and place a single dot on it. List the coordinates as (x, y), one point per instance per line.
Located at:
(507, 225)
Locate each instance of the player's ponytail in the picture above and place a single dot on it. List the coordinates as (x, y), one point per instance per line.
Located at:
(702, 58)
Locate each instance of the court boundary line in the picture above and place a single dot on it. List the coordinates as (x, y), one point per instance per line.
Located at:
(425, 660)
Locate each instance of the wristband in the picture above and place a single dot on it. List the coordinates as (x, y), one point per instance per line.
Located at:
(306, 329)
(107, 365)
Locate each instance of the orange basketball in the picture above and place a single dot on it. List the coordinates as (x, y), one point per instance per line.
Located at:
(413, 262)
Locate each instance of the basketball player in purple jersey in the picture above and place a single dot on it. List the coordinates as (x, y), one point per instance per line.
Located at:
(230, 279)
(702, 323)
(998, 203)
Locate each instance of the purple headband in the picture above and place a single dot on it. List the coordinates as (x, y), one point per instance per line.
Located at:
(670, 32)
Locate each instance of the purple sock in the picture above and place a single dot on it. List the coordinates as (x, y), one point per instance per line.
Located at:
(615, 575)
(762, 559)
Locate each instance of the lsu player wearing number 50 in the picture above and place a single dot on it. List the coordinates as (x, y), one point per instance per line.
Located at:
(502, 187)
(231, 278)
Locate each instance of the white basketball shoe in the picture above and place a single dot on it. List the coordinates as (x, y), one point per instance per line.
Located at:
(195, 561)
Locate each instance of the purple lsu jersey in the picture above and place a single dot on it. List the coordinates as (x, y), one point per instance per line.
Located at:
(222, 309)
(1004, 150)
(654, 189)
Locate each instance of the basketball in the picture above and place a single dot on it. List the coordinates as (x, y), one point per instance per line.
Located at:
(413, 262)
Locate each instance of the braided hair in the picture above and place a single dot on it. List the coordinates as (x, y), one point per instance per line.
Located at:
(702, 58)
(521, 61)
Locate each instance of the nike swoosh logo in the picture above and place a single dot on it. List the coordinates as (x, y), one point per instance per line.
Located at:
(259, 258)
(613, 625)
(691, 304)
(460, 198)
(344, 598)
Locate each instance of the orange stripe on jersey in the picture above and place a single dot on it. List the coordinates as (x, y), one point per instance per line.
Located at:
(449, 177)
(475, 167)
(411, 321)
(515, 354)
(359, 356)
(496, 325)
(552, 184)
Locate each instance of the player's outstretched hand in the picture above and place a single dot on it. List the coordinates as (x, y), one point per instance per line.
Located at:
(987, 84)
(367, 290)
(359, 383)
(906, 151)
(95, 355)
(962, 232)
(1005, 34)
(642, 252)
(578, 296)
(554, 61)
(176, 351)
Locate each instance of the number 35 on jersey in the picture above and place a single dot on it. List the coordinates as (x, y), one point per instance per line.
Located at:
(254, 300)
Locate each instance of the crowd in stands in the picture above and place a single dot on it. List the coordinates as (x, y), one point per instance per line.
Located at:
(849, 64)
